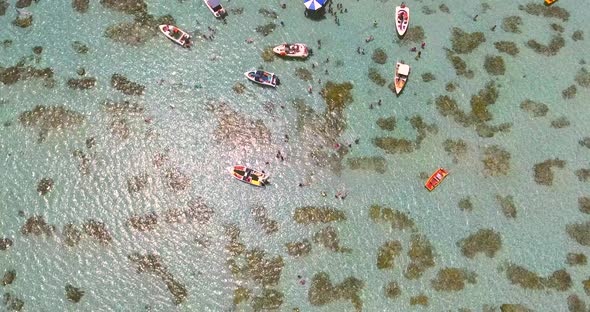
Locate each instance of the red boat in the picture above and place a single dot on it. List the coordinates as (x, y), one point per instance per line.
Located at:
(435, 179)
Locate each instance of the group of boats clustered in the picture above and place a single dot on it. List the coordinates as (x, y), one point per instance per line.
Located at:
(298, 50)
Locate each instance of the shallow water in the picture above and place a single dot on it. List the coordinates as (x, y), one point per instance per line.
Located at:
(184, 128)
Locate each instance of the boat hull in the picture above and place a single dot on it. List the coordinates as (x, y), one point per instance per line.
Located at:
(295, 50)
(399, 80)
(178, 38)
(264, 78)
(217, 13)
(435, 179)
(249, 176)
(401, 26)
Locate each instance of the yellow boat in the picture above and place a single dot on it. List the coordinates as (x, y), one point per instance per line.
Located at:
(549, 2)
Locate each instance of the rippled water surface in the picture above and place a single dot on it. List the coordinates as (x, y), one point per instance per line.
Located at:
(115, 195)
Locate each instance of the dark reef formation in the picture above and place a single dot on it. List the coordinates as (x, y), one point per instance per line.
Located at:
(535, 109)
(507, 47)
(559, 280)
(539, 9)
(486, 241)
(323, 292)
(152, 263)
(126, 86)
(465, 43)
(312, 215)
(74, 294)
(453, 279)
(543, 171)
(375, 163)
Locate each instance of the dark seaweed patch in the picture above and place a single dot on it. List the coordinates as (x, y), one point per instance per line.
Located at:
(584, 204)
(459, 65)
(374, 163)
(266, 29)
(576, 259)
(583, 78)
(81, 6)
(82, 84)
(303, 74)
(465, 43)
(559, 280)
(496, 161)
(419, 300)
(299, 249)
(5, 243)
(536, 109)
(465, 204)
(261, 217)
(152, 263)
(494, 65)
(398, 220)
(392, 290)
(37, 226)
(44, 186)
(126, 6)
(387, 254)
(543, 171)
(560, 122)
(507, 205)
(379, 56)
(575, 304)
(74, 294)
(556, 43)
(511, 24)
(580, 232)
(328, 237)
(126, 86)
(8, 278)
(539, 9)
(453, 279)
(583, 174)
(421, 255)
(387, 123)
(312, 215)
(427, 77)
(507, 47)
(323, 292)
(376, 77)
(486, 241)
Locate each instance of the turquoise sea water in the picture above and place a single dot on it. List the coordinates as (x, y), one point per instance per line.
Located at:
(184, 128)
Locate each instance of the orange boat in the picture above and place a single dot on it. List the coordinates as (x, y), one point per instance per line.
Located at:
(435, 179)
(550, 2)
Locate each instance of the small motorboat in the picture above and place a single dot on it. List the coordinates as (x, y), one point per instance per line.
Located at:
(215, 7)
(262, 77)
(435, 179)
(402, 19)
(176, 34)
(401, 76)
(248, 175)
(550, 2)
(292, 50)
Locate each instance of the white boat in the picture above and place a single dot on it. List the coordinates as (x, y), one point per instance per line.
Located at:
(262, 77)
(299, 50)
(401, 76)
(215, 7)
(402, 19)
(176, 34)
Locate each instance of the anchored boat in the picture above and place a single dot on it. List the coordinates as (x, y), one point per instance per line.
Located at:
(435, 179)
(401, 76)
(176, 34)
(262, 77)
(402, 19)
(250, 176)
(298, 50)
(215, 7)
